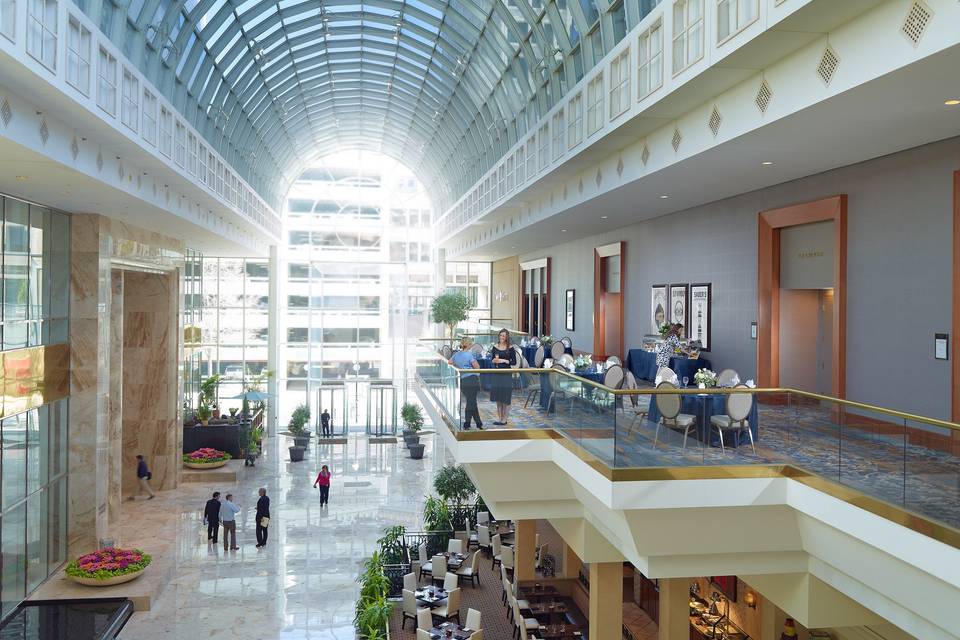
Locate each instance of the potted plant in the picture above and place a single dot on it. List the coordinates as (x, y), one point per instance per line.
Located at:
(203, 414)
(298, 425)
(108, 566)
(450, 309)
(454, 485)
(373, 609)
(208, 392)
(233, 413)
(412, 416)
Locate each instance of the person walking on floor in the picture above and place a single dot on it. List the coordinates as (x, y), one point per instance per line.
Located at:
(211, 515)
(228, 518)
(469, 382)
(144, 476)
(325, 423)
(323, 481)
(263, 517)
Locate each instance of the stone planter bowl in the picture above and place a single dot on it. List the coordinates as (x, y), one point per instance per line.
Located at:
(416, 451)
(109, 582)
(205, 465)
(296, 454)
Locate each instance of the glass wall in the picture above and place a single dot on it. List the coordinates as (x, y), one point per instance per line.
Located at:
(473, 280)
(33, 444)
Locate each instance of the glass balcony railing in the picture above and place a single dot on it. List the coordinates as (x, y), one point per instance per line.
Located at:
(885, 457)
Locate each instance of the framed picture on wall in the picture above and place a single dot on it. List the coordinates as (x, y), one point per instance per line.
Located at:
(659, 307)
(700, 303)
(678, 307)
(727, 586)
(571, 296)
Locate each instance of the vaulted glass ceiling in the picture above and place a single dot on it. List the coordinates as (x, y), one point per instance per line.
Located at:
(444, 86)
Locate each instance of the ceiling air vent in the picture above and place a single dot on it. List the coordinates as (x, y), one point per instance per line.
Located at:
(677, 139)
(715, 120)
(44, 131)
(764, 95)
(916, 22)
(74, 148)
(645, 154)
(828, 64)
(6, 111)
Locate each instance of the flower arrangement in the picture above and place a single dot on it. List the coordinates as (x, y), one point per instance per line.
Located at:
(206, 455)
(546, 341)
(583, 361)
(108, 563)
(705, 378)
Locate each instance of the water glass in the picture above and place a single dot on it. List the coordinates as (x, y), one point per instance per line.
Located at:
(686, 381)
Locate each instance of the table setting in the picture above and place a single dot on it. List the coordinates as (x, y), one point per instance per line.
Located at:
(451, 630)
(454, 560)
(643, 365)
(430, 596)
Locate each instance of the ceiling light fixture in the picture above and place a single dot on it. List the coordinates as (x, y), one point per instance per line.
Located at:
(767, 163)
(23, 177)
(664, 197)
(604, 217)
(563, 230)
(952, 102)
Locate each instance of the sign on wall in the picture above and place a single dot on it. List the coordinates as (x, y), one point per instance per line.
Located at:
(700, 299)
(659, 308)
(678, 307)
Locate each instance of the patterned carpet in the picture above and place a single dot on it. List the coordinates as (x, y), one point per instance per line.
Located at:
(893, 468)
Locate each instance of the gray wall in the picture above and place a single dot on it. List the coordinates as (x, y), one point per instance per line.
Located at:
(898, 272)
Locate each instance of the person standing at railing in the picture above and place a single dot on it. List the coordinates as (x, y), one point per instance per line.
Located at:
(469, 382)
(501, 389)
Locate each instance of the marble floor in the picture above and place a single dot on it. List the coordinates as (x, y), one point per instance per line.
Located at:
(303, 583)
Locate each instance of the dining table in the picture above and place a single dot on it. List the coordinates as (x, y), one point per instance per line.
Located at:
(537, 592)
(704, 406)
(430, 597)
(559, 631)
(643, 365)
(530, 353)
(454, 560)
(546, 385)
(451, 630)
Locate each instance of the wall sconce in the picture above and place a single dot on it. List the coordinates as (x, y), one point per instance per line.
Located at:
(750, 599)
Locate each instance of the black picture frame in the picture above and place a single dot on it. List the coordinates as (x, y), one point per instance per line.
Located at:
(696, 325)
(570, 309)
(685, 316)
(659, 296)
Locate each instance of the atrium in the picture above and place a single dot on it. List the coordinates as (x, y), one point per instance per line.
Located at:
(533, 319)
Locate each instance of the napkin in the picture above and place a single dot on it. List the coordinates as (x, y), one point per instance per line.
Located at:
(750, 383)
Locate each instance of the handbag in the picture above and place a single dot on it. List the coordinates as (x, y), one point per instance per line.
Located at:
(264, 521)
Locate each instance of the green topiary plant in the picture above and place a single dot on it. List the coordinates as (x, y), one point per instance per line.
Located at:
(412, 416)
(299, 419)
(453, 484)
(450, 309)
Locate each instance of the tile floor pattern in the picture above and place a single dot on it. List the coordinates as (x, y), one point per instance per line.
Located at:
(303, 584)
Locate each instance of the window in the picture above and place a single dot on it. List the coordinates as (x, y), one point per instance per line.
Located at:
(166, 132)
(107, 82)
(149, 117)
(544, 147)
(733, 16)
(520, 162)
(79, 52)
(42, 32)
(619, 84)
(531, 157)
(192, 154)
(558, 131)
(650, 60)
(510, 174)
(595, 104)
(575, 121)
(201, 162)
(129, 104)
(211, 171)
(8, 18)
(180, 144)
(687, 33)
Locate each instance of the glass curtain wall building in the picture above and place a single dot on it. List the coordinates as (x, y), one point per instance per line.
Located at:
(33, 487)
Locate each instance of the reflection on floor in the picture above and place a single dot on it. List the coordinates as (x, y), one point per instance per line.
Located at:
(867, 457)
(303, 583)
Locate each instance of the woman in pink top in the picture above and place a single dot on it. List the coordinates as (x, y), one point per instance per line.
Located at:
(323, 481)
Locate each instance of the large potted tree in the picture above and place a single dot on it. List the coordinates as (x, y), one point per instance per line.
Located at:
(412, 417)
(450, 309)
(297, 429)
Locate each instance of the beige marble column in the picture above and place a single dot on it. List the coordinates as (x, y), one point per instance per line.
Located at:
(150, 386)
(114, 468)
(674, 609)
(90, 298)
(606, 600)
(571, 562)
(524, 556)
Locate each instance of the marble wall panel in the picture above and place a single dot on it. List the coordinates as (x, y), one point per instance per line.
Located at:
(114, 468)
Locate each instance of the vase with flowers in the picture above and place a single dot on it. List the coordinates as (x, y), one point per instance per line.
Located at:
(705, 378)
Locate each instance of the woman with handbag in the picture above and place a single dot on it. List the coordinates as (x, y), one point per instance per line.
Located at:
(323, 481)
(263, 517)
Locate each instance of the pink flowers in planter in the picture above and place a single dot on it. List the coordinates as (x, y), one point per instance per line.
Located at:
(206, 455)
(108, 562)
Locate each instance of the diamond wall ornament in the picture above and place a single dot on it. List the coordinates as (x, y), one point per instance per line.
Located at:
(6, 111)
(44, 131)
(916, 22)
(580, 186)
(677, 139)
(829, 62)
(715, 120)
(620, 167)
(763, 97)
(645, 154)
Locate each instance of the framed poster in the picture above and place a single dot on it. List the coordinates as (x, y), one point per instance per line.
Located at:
(659, 307)
(700, 303)
(678, 307)
(727, 586)
(571, 296)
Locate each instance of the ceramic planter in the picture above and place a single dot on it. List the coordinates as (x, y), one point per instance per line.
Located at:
(416, 451)
(109, 582)
(296, 454)
(301, 441)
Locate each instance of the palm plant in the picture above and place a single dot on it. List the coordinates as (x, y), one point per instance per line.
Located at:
(436, 515)
(453, 484)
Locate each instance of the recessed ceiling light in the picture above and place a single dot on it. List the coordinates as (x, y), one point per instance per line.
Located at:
(604, 217)
(952, 102)
(767, 163)
(664, 197)
(563, 230)
(23, 177)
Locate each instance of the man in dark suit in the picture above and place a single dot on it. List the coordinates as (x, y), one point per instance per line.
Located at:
(263, 515)
(211, 515)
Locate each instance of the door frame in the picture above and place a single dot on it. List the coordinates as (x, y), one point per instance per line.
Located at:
(543, 306)
(769, 224)
(600, 288)
(955, 318)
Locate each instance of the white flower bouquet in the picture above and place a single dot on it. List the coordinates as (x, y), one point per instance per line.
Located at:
(705, 378)
(583, 361)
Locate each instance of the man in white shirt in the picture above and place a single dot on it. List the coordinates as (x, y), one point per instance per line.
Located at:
(228, 517)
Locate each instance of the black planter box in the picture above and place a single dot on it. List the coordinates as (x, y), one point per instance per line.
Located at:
(224, 437)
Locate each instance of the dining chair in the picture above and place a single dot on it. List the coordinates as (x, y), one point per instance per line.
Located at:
(669, 405)
(639, 411)
(506, 557)
(728, 378)
(539, 356)
(505, 585)
(450, 581)
(476, 349)
(483, 538)
(523, 625)
(469, 570)
(473, 619)
(666, 374)
(410, 582)
(535, 389)
(439, 568)
(424, 619)
(458, 543)
(409, 607)
(612, 360)
(483, 517)
(736, 420)
(451, 608)
(476, 635)
(566, 360)
(496, 549)
(426, 566)
(446, 351)
(557, 393)
(566, 342)
(557, 349)
(522, 603)
(424, 634)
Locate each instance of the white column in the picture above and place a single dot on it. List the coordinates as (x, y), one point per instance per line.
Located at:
(273, 342)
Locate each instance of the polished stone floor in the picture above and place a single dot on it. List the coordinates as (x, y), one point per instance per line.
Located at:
(303, 583)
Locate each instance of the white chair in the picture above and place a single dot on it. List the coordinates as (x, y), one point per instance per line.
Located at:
(539, 356)
(556, 350)
(496, 549)
(483, 538)
(469, 570)
(614, 360)
(476, 349)
(476, 635)
(556, 393)
(542, 551)
(473, 619)
(424, 619)
(472, 538)
(409, 607)
(515, 591)
(567, 361)
(669, 405)
(639, 412)
(506, 557)
(535, 390)
(423, 634)
(728, 378)
(450, 581)
(438, 568)
(666, 374)
(566, 342)
(455, 545)
(523, 625)
(446, 351)
(426, 566)
(738, 410)
(505, 584)
(451, 608)
(483, 517)
(410, 581)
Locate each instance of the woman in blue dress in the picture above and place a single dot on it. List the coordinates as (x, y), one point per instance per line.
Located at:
(501, 388)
